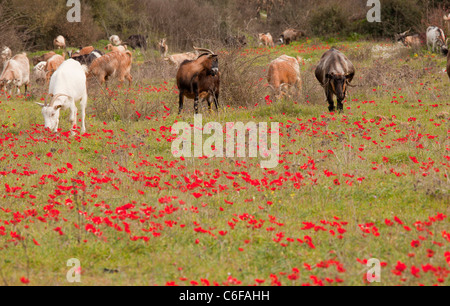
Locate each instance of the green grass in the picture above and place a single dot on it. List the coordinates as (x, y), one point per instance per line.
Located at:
(127, 160)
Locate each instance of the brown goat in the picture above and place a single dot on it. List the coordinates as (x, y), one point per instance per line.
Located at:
(285, 72)
(43, 58)
(114, 64)
(52, 65)
(448, 63)
(413, 41)
(82, 51)
(291, 35)
(199, 78)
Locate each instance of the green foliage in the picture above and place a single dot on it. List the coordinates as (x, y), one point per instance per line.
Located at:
(329, 20)
(396, 16)
(33, 26)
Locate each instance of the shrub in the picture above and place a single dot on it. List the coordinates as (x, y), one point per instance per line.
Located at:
(396, 16)
(329, 20)
(242, 80)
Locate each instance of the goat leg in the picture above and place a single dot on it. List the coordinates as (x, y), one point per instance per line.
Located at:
(73, 118)
(208, 99)
(196, 104)
(83, 113)
(181, 102)
(340, 105)
(330, 101)
(216, 100)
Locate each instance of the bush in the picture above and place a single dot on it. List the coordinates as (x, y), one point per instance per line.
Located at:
(396, 16)
(329, 21)
(242, 80)
(36, 28)
(9, 34)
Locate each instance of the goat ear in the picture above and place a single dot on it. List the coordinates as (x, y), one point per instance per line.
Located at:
(40, 104)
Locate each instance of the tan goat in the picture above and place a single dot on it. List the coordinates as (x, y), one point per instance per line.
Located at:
(266, 40)
(112, 48)
(52, 65)
(43, 58)
(284, 76)
(16, 73)
(114, 64)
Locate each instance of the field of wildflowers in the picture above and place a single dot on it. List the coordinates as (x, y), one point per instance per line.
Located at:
(371, 182)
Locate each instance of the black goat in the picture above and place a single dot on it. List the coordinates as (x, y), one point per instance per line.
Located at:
(335, 72)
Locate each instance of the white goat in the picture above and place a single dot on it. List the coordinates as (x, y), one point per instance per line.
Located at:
(16, 73)
(436, 39)
(115, 40)
(67, 86)
(5, 55)
(39, 72)
(59, 42)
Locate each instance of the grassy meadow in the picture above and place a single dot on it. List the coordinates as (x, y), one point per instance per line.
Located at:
(371, 182)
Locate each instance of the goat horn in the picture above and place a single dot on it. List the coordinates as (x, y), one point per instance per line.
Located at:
(404, 33)
(203, 49)
(350, 85)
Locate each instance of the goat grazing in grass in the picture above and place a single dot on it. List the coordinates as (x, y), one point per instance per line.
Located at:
(59, 42)
(412, 41)
(16, 73)
(291, 35)
(114, 64)
(284, 72)
(335, 72)
(266, 40)
(67, 86)
(115, 40)
(436, 40)
(39, 74)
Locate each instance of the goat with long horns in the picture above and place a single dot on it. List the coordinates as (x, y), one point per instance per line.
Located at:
(199, 78)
